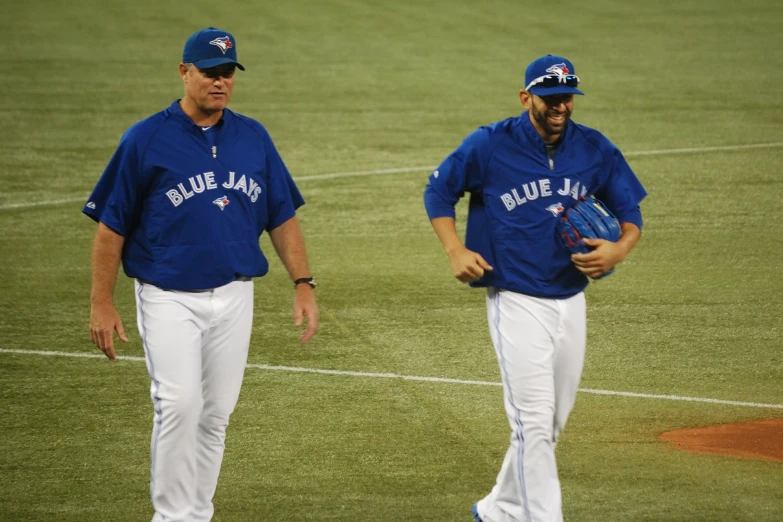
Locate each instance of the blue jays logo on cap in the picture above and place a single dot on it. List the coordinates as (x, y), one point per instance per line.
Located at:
(211, 47)
(559, 68)
(550, 75)
(223, 42)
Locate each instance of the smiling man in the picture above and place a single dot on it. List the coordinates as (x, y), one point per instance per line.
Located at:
(182, 205)
(523, 173)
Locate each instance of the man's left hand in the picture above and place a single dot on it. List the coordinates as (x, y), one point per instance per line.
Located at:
(604, 257)
(305, 306)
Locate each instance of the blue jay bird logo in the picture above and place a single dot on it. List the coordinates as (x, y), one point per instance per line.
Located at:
(222, 201)
(559, 69)
(555, 209)
(223, 43)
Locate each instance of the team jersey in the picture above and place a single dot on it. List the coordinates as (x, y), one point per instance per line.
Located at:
(518, 190)
(191, 204)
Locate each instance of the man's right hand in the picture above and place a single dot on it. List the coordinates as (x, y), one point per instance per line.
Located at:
(466, 265)
(104, 321)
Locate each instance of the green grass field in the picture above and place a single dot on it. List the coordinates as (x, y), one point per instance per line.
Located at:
(350, 86)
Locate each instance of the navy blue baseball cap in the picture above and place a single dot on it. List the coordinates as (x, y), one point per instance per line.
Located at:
(211, 47)
(550, 75)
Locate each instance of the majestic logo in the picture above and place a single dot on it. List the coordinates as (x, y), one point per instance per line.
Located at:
(559, 69)
(555, 209)
(91, 205)
(221, 202)
(223, 43)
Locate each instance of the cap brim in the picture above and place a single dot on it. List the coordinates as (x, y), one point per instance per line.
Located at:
(214, 62)
(551, 91)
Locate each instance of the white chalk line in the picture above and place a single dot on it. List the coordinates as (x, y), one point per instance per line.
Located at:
(720, 148)
(50, 202)
(336, 175)
(410, 378)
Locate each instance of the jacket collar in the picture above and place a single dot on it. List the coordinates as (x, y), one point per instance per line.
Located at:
(175, 110)
(534, 137)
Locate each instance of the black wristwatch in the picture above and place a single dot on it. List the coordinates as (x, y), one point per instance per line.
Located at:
(307, 280)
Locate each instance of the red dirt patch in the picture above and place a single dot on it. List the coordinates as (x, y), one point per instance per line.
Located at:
(757, 439)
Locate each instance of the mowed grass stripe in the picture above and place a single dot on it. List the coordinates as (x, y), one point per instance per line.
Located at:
(413, 378)
(400, 170)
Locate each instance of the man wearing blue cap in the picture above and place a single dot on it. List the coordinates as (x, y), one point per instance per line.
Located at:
(182, 204)
(523, 173)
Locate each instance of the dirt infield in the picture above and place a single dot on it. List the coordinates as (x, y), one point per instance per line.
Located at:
(757, 439)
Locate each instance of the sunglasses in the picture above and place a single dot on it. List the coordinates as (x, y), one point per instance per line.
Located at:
(553, 80)
(226, 71)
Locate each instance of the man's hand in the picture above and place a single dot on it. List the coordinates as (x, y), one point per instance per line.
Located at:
(305, 306)
(105, 259)
(104, 321)
(605, 256)
(288, 241)
(466, 265)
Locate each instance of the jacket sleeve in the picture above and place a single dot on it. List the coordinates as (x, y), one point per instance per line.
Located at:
(622, 191)
(116, 197)
(462, 171)
(283, 196)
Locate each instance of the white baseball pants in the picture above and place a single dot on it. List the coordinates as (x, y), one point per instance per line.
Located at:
(196, 347)
(540, 346)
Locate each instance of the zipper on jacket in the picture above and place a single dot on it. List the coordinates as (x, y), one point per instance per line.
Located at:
(214, 151)
(550, 153)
